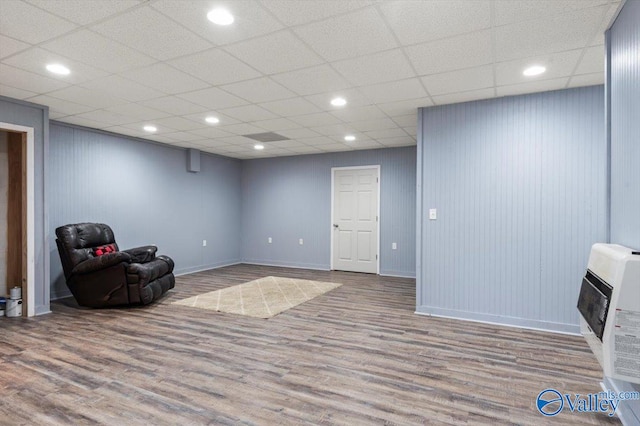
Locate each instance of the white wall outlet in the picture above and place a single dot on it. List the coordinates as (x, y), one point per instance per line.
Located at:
(269, 240)
(433, 214)
(204, 243)
(301, 241)
(394, 246)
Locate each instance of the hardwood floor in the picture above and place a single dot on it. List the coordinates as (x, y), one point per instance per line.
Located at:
(356, 355)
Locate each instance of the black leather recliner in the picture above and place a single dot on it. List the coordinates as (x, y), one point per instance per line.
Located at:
(100, 275)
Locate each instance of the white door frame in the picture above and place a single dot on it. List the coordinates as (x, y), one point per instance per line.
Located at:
(31, 264)
(333, 174)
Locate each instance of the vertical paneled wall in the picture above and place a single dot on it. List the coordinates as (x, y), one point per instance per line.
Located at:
(624, 89)
(144, 192)
(519, 184)
(4, 180)
(289, 198)
(27, 114)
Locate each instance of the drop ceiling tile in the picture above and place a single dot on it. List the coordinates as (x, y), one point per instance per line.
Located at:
(510, 11)
(259, 90)
(290, 107)
(317, 119)
(79, 121)
(238, 142)
(249, 113)
(307, 81)
(245, 147)
(24, 80)
(397, 142)
(251, 20)
(305, 150)
(369, 125)
(54, 115)
(60, 106)
(276, 124)
(547, 35)
(411, 131)
(592, 61)
(375, 68)
(472, 95)
(151, 32)
(368, 112)
(386, 133)
(532, 86)
(12, 92)
(598, 40)
(179, 123)
(420, 21)
(334, 129)
(336, 147)
(298, 133)
(9, 46)
(36, 59)
(213, 98)
(84, 12)
(291, 13)
(320, 141)
(137, 126)
(215, 66)
(557, 64)
(465, 51)
(285, 144)
(367, 144)
(405, 107)
(165, 79)
(174, 106)
(138, 111)
(587, 80)
(83, 96)
(275, 53)
(122, 88)
(459, 81)
(107, 118)
(355, 34)
(98, 51)
(406, 120)
(394, 91)
(360, 137)
(211, 143)
(211, 133)
(22, 21)
(201, 116)
(183, 136)
(242, 129)
(354, 97)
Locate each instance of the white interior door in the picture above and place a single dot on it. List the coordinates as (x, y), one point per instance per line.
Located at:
(355, 219)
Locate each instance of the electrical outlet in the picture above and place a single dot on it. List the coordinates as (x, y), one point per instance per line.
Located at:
(269, 240)
(301, 241)
(394, 246)
(204, 243)
(433, 214)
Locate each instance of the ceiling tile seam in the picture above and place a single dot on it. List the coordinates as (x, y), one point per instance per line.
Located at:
(492, 20)
(546, 17)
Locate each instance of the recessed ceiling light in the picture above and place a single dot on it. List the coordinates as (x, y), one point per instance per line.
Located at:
(58, 69)
(212, 120)
(338, 101)
(534, 70)
(258, 146)
(150, 128)
(349, 138)
(220, 17)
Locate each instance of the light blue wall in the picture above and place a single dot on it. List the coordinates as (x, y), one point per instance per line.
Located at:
(289, 198)
(36, 116)
(624, 89)
(520, 188)
(623, 56)
(144, 192)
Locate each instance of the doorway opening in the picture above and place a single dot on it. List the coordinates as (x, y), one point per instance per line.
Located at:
(355, 218)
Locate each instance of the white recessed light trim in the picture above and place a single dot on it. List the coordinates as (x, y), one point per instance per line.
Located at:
(258, 146)
(220, 16)
(534, 70)
(212, 120)
(149, 128)
(58, 69)
(349, 138)
(338, 101)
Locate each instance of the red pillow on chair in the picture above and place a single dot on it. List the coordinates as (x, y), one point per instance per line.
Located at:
(99, 251)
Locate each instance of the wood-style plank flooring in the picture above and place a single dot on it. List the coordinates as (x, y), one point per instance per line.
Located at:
(357, 355)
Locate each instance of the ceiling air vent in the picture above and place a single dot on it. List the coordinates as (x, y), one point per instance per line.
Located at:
(266, 137)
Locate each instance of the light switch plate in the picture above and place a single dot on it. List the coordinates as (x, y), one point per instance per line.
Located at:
(433, 214)
(301, 241)
(269, 240)
(394, 246)
(204, 243)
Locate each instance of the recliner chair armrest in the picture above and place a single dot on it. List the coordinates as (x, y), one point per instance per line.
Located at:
(142, 254)
(101, 262)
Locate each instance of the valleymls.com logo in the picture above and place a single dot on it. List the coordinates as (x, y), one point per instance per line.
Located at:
(551, 402)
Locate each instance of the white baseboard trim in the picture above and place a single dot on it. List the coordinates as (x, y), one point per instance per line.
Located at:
(552, 327)
(629, 409)
(312, 266)
(397, 274)
(194, 269)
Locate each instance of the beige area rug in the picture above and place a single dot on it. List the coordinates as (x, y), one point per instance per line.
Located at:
(262, 298)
